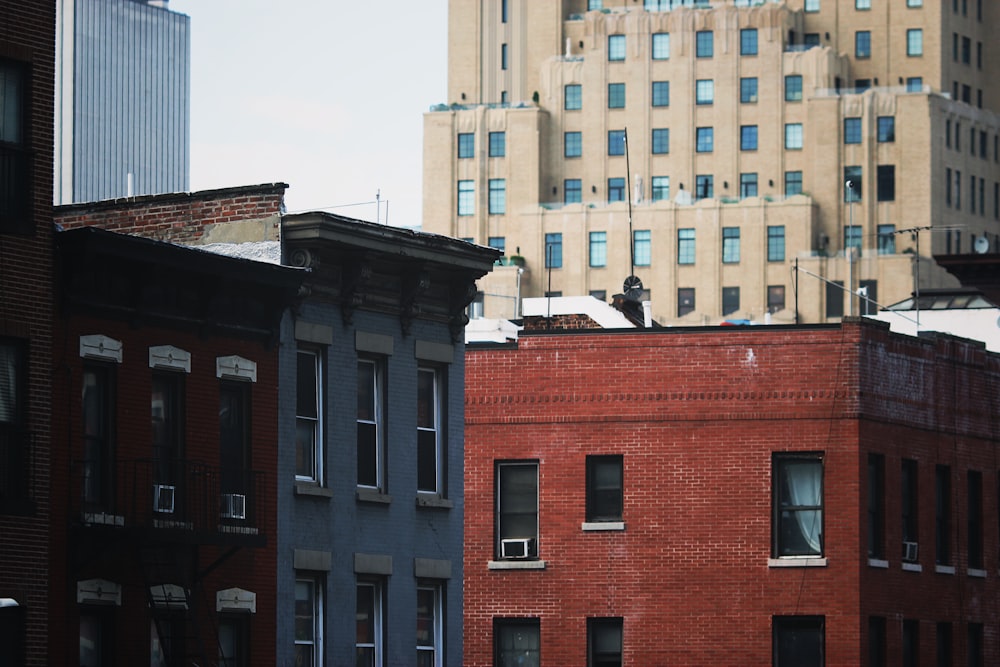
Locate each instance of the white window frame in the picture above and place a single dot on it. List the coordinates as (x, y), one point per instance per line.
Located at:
(378, 627)
(436, 647)
(317, 421)
(317, 617)
(435, 428)
(377, 420)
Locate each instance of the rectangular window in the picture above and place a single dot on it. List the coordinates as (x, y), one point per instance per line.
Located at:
(498, 144)
(798, 641)
(371, 424)
(661, 141)
(810, 40)
(616, 189)
(308, 623)
(598, 249)
(572, 144)
(430, 633)
(909, 502)
(748, 185)
(642, 247)
(876, 506)
(974, 645)
(704, 186)
(498, 196)
(852, 130)
(911, 642)
(775, 298)
(861, 85)
(604, 642)
(167, 409)
(886, 129)
(553, 251)
(234, 448)
(775, 243)
(887, 239)
(876, 641)
(430, 432)
(97, 641)
(862, 44)
(958, 189)
(661, 93)
(661, 45)
(862, 4)
(234, 640)
(748, 137)
(368, 624)
(974, 512)
(517, 641)
(852, 236)
(503, 56)
(943, 644)
(947, 186)
(797, 523)
(685, 301)
(15, 151)
(730, 300)
(572, 191)
(704, 47)
(98, 408)
(812, 5)
(572, 97)
(517, 510)
(868, 296)
(616, 142)
(835, 299)
(308, 425)
(616, 95)
(914, 84)
(793, 183)
(966, 51)
(914, 3)
(616, 48)
(915, 42)
(705, 139)
(730, 245)
(466, 144)
(595, 4)
(661, 188)
(852, 183)
(793, 136)
(983, 149)
(685, 245)
(704, 91)
(748, 42)
(604, 488)
(793, 88)
(498, 243)
(885, 182)
(748, 89)
(466, 198)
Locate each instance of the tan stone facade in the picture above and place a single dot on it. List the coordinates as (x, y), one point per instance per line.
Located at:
(743, 125)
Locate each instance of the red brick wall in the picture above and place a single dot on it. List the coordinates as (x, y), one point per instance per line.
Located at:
(697, 416)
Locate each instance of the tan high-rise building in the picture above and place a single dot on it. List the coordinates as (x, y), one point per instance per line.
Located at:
(745, 122)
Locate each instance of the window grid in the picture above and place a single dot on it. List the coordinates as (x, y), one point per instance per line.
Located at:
(793, 136)
(466, 198)
(748, 185)
(642, 250)
(852, 130)
(704, 91)
(793, 183)
(704, 186)
(886, 129)
(887, 239)
(308, 431)
(572, 144)
(572, 191)
(573, 97)
(497, 196)
(704, 47)
(616, 95)
(798, 504)
(498, 144)
(748, 42)
(776, 243)
(661, 141)
(863, 44)
(852, 183)
(370, 425)
(730, 245)
(748, 137)
(616, 142)
(368, 624)
(430, 458)
(598, 249)
(661, 93)
(660, 188)
(748, 90)
(553, 251)
(793, 88)
(616, 189)
(517, 509)
(685, 301)
(308, 623)
(685, 246)
(430, 634)
(661, 46)
(466, 144)
(616, 48)
(705, 139)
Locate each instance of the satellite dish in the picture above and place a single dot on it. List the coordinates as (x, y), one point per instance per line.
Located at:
(632, 287)
(982, 245)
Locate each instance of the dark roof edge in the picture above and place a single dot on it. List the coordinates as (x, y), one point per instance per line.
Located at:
(143, 200)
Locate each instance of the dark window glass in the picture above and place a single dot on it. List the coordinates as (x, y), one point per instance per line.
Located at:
(498, 144)
(685, 301)
(942, 514)
(730, 300)
(466, 144)
(517, 510)
(798, 641)
(975, 516)
(876, 506)
(15, 153)
(798, 504)
(835, 298)
(604, 488)
(886, 182)
(517, 642)
(604, 642)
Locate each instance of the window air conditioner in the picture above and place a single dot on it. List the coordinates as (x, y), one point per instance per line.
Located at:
(519, 547)
(163, 498)
(910, 552)
(234, 506)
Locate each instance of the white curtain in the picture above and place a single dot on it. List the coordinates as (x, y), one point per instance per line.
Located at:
(804, 480)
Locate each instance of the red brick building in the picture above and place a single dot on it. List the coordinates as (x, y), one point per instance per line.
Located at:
(813, 495)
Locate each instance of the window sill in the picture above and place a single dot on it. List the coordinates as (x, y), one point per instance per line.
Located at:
(796, 562)
(434, 502)
(878, 562)
(312, 489)
(516, 565)
(976, 573)
(944, 569)
(103, 519)
(373, 496)
(915, 567)
(598, 526)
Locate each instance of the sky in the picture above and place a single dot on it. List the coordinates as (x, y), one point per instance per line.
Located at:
(326, 96)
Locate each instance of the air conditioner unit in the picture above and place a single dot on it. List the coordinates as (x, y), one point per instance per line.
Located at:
(163, 498)
(910, 552)
(234, 506)
(519, 547)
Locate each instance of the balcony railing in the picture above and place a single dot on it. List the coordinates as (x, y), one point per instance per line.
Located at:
(169, 495)
(16, 470)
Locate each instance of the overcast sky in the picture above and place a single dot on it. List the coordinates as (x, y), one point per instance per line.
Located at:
(327, 96)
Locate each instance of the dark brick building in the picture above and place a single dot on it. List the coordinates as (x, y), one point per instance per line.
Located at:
(816, 495)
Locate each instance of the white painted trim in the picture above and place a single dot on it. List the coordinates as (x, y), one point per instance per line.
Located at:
(170, 358)
(235, 367)
(796, 562)
(236, 599)
(98, 591)
(602, 525)
(516, 565)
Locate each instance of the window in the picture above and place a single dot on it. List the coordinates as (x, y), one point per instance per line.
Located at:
(798, 641)
(498, 196)
(947, 186)
(775, 243)
(812, 5)
(430, 440)
(852, 236)
(730, 245)
(368, 625)
(861, 85)
(705, 139)
(234, 640)
(685, 301)
(598, 249)
(234, 441)
(835, 299)
(517, 642)
(572, 144)
(572, 191)
(616, 142)
(972, 141)
(616, 95)
(661, 188)
(915, 42)
(852, 130)
(599, 294)
(863, 44)
(868, 296)
(661, 93)
(308, 431)
(983, 145)
(497, 242)
(943, 644)
(503, 11)
(466, 197)
(886, 182)
(886, 129)
(503, 56)
(616, 189)
(909, 502)
(793, 183)
(704, 91)
(308, 623)
(616, 47)
(604, 642)
(553, 251)
(748, 137)
(370, 423)
(862, 4)
(97, 640)
(573, 97)
(517, 510)
(15, 154)
(430, 634)
(966, 51)
(748, 89)
(166, 402)
(748, 185)
(810, 39)
(98, 408)
(685, 245)
(730, 300)
(798, 504)
(748, 42)
(704, 186)
(911, 642)
(876, 641)
(775, 298)
(604, 488)
(914, 3)
(852, 184)
(974, 645)
(887, 239)
(642, 242)
(974, 512)
(661, 141)
(793, 88)
(703, 44)
(914, 84)
(466, 144)
(793, 136)
(498, 144)
(661, 45)
(595, 4)
(876, 506)
(958, 189)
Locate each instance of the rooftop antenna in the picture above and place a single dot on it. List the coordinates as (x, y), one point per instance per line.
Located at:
(378, 204)
(632, 286)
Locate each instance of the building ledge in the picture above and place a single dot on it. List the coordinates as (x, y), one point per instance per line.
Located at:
(312, 489)
(598, 526)
(976, 573)
(917, 567)
(878, 562)
(516, 565)
(944, 569)
(373, 496)
(434, 502)
(796, 562)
